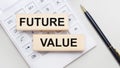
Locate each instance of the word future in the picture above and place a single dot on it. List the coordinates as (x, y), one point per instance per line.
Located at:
(58, 42)
(42, 22)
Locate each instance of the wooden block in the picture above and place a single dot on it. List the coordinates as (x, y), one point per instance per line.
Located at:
(63, 42)
(46, 22)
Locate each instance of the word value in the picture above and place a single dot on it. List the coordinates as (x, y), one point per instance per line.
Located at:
(47, 42)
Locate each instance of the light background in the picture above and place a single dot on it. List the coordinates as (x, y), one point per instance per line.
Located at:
(107, 15)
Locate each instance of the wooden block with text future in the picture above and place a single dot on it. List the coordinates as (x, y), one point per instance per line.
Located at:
(45, 22)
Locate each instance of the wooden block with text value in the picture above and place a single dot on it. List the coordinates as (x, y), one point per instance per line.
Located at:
(64, 42)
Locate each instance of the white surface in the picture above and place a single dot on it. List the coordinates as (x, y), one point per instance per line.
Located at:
(105, 12)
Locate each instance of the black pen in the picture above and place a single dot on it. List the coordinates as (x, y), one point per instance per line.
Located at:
(101, 34)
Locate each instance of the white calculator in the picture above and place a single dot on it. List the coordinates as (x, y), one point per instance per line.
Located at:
(23, 39)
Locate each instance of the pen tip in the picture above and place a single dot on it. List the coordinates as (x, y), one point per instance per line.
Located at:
(83, 9)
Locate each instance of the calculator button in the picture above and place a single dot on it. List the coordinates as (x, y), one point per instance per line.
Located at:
(71, 20)
(76, 29)
(59, 3)
(21, 11)
(42, 1)
(28, 48)
(24, 39)
(15, 32)
(34, 56)
(10, 22)
(30, 7)
(65, 9)
(48, 9)
(36, 12)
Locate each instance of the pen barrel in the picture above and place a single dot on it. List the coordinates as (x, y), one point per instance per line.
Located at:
(103, 37)
(99, 31)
